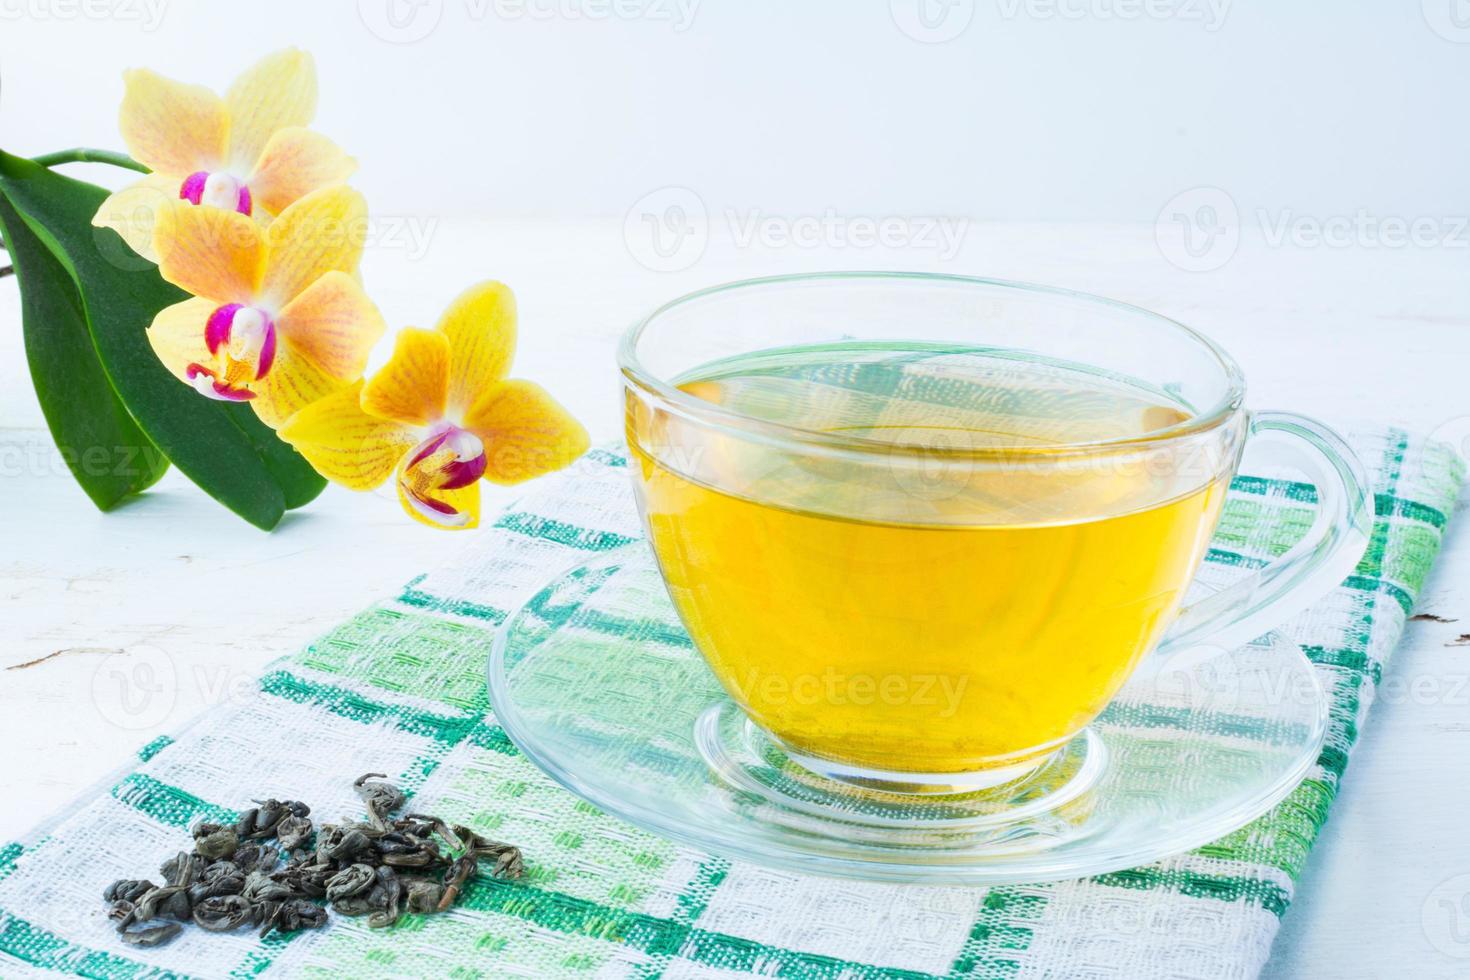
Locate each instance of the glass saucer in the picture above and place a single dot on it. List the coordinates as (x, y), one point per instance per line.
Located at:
(596, 680)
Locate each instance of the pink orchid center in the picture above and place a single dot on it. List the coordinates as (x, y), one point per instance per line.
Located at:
(449, 459)
(243, 339)
(216, 190)
(210, 385)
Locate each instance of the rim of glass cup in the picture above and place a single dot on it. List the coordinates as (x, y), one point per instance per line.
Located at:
(706, 412)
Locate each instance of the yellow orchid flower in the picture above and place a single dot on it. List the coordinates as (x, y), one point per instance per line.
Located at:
(277, 317)
(442, 414)
(247, 152)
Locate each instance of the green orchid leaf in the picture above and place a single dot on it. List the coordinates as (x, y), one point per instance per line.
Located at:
(221, 446)
(103, 447)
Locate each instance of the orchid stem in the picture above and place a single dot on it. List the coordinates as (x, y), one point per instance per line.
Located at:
(85, 154)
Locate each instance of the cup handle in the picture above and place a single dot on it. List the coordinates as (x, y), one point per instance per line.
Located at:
(1315, 565)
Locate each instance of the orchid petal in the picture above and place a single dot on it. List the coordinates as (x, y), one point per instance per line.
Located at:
(345, 444)
(412, 387)
(170, 127)
(292, 383)
(277, 91)
(526, 433)
(294, 163)
(207, 383)
(133, 211)
(333, 324)
(323, 232)
(209, 252)
(481, 327)
(447, 510)
(177, 336)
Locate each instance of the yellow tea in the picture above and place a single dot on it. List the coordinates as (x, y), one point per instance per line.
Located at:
(914, 607)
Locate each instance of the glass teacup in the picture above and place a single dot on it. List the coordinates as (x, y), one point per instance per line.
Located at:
(923, 528)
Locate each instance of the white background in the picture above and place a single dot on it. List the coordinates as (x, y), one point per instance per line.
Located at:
(1035, 110)
(1290, 178)
(1338, 126)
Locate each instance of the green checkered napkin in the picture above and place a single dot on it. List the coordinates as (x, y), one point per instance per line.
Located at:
(399, 688)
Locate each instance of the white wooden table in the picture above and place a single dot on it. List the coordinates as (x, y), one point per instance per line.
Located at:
(121, 627)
